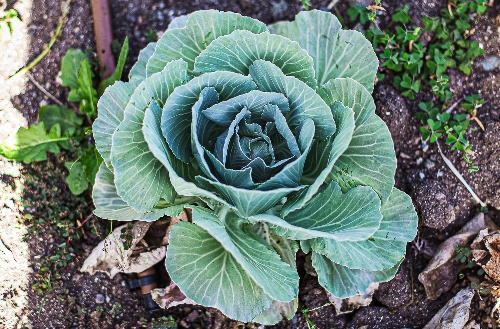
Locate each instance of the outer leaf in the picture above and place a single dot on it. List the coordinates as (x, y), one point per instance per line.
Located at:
(70, 65)
(304, 102)
(86, 91)
(65, 117)
(117, 75)
(352, 216)
(91, 159)
(76, 180)
(138, 71)
(323, 157)
(385, 248)
(336, 53)
(201, 29)
(370, 159)
(32, 144)
(238, 50)
(235, 268)
(110, 114)
(352, 94)
(109, 205)
(177, 112)
(249, 202)
(277, 311)
(343, 282)
(178, 22)
(140, 179)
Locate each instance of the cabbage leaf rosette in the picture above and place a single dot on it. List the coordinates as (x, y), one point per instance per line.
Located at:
(269, 134)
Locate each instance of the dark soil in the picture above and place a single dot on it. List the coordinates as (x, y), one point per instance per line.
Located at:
(442, 203)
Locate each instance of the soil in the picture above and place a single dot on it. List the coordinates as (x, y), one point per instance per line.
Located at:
(37, 209)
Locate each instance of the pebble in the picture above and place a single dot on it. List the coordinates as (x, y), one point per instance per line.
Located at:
(421, 175)
(490, 63)
(419, 161)
(429, 164)
(99, 299)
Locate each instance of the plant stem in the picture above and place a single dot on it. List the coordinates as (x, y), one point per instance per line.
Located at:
(65, 8)
(459, 176)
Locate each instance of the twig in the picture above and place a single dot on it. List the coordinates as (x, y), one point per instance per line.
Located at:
(454, 105)
(459, 176)
(43, 90)
(65, 8)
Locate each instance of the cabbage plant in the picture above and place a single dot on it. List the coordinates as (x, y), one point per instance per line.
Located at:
(269, 134)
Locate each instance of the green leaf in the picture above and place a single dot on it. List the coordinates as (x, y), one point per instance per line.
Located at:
(86, 92)
(219, 266)
(70, 66)
(385, 247)
(109, 205)
(76, 180)
(352, 94)
(140, 179)
(352, 216)
(277, 311)
(343, 282)
(336, 53)
(177, 116)
(138, 71)
(32, 144)
(110, 114)
(181, 175)
(202, 27)
(304, 102)
(237, 51)
(91, 159)
(322, 158)
(117, 75)
(67, 119)
(362, 163)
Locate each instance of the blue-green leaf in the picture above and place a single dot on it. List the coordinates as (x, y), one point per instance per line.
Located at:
(336, 53)
(219, 265)
(343, 282)
(202, 27)
(238, 50)
(140, 178)
(110, 114)
(304, 102)
(387, 245)
(110, 205)
(352, 216)
(177, 112)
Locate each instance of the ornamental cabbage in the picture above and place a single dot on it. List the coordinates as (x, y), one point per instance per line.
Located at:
(269, 134)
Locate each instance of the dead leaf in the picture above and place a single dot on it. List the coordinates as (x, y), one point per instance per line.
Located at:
(170, 296)
(111, 257)
(184, 216)
(455, 314)
(441, 271)
(351, 304)
(492, 268)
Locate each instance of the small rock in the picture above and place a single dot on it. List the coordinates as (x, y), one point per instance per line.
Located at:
(421, 175)
(99, 299)
(489, 63)
(192, 316)
(419, 161)
(429, 164)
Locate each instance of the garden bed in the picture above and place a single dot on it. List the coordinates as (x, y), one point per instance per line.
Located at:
(37, 205)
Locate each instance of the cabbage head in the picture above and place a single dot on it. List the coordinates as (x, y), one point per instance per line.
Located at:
(269, 134)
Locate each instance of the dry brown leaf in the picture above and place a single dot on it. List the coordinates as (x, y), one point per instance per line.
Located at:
(492, 268)
(441, 271)
(455, 314)
(111, 257)
(351, 304)
(170, 296)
